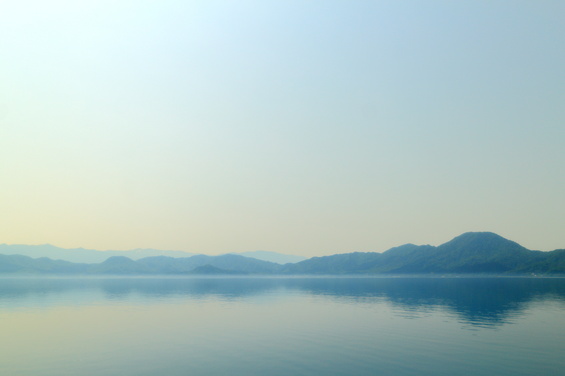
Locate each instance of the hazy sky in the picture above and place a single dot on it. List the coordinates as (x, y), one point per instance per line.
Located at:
(303, 127)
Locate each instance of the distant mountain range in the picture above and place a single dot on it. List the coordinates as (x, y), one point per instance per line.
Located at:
(91, 256)
(470, 253)
(81, 255)
(275, 257)
(121, 265)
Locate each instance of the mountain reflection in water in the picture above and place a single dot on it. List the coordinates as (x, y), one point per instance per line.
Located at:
(475, 301)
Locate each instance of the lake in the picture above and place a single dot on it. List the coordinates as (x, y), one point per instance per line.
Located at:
(282, 326)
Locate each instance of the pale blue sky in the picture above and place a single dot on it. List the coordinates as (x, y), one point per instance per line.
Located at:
(304, 127)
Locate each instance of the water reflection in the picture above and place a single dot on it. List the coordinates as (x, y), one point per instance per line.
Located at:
(476, 301)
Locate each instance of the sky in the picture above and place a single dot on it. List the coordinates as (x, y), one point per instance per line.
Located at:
(302, 127)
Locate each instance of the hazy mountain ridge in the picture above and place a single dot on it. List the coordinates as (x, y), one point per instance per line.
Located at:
(275, 257)
(229, 262)
(121, 265)
(26, 264)
(91, 256)
(82, 255)
(472, 252)
(469, 253)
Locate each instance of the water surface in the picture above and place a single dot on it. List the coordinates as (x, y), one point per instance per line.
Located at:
(282, 326)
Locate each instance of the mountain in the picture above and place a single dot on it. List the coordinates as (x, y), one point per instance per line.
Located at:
(212, 270)
(198, 264)
(469, 253)
(121, 265)
(346, 263)
(278, 258)
(472, 252)
(91, 256)
(553, 263)
(229, 262)
(43, 265)
(81, 255)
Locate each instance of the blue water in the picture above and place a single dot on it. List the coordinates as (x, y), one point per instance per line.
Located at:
(282, 326)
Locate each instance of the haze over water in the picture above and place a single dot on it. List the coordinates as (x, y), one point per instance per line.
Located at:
(282, 326)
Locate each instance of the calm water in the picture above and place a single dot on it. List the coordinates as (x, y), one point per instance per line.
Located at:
(282, 326)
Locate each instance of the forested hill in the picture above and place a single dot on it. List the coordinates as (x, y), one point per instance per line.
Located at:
(470, 253)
